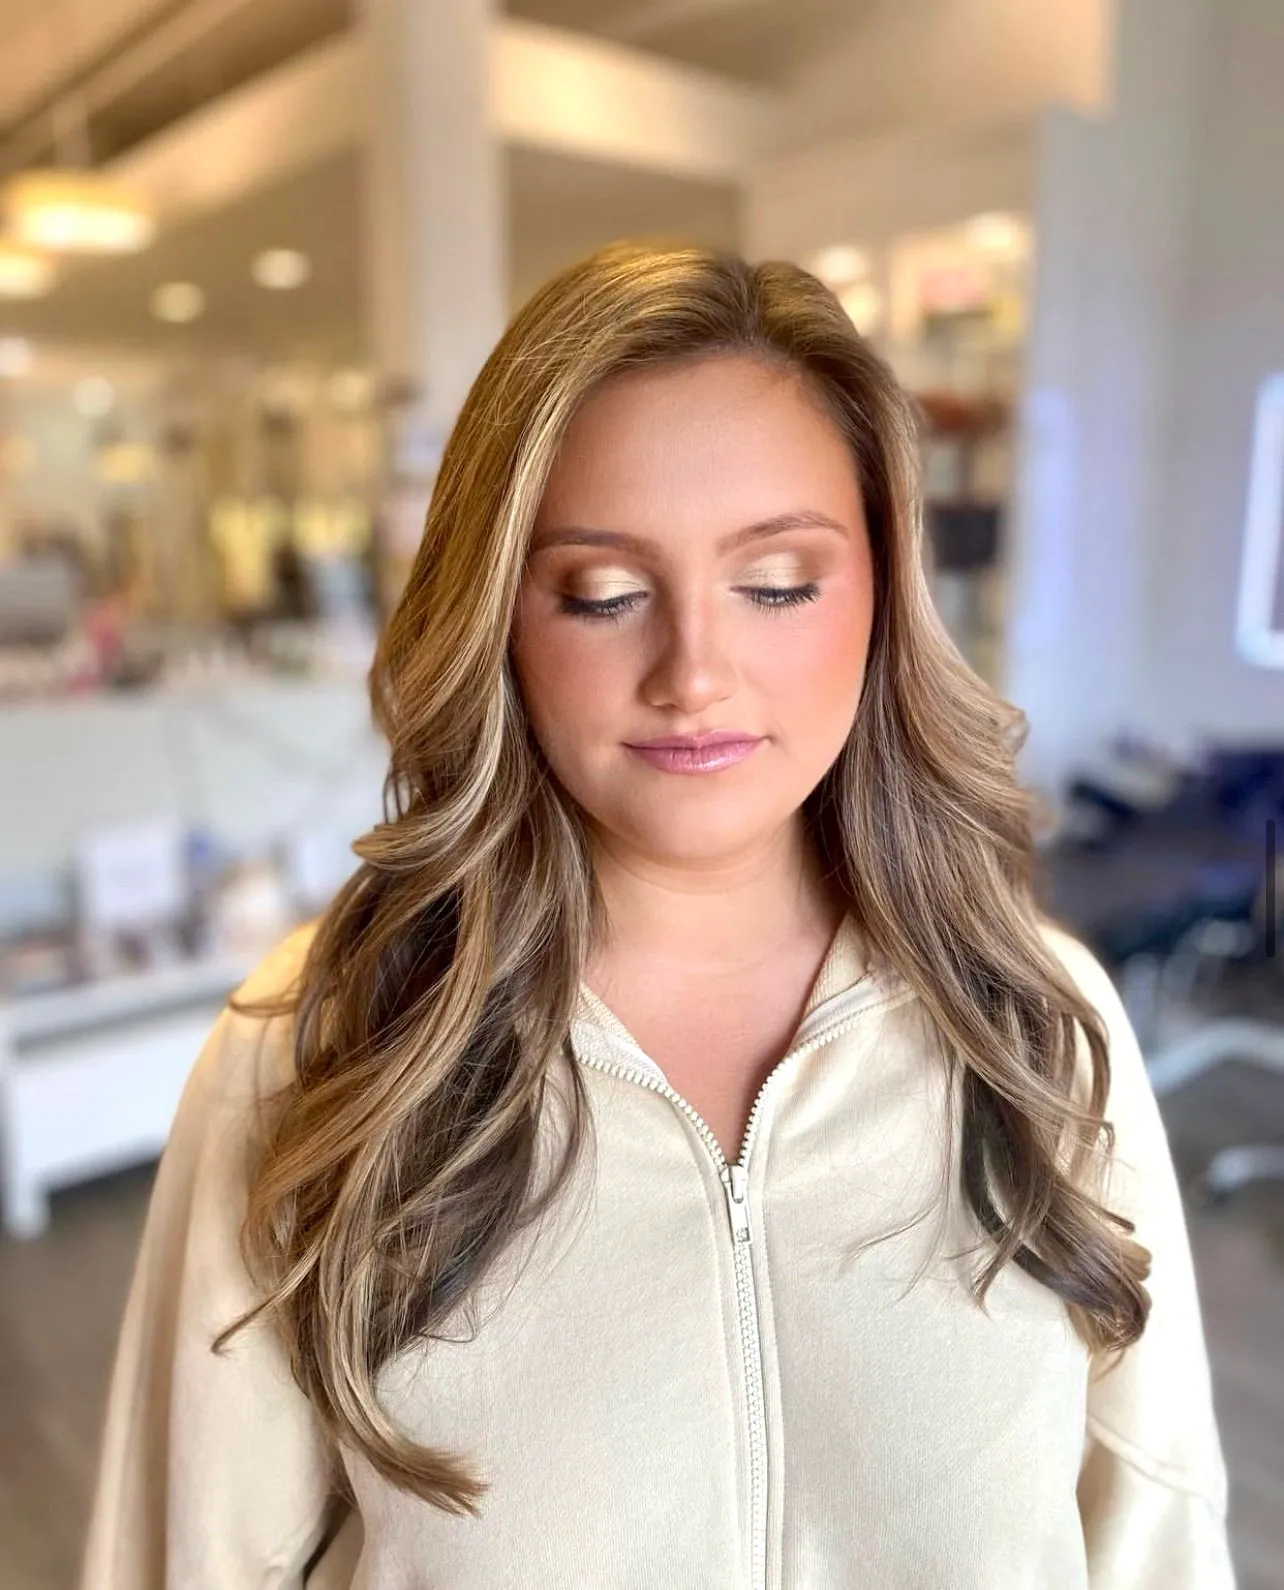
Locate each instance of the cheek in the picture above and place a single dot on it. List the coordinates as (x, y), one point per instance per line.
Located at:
(818, 670)
(561, 683)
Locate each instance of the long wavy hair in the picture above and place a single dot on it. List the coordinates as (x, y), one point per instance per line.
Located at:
(440, 984)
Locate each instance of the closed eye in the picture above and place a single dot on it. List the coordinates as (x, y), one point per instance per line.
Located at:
(604, 607)
(769, 597)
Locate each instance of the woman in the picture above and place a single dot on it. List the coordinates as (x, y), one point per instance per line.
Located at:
(681, 1156)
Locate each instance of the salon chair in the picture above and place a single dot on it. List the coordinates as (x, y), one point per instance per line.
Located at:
(1164, 894)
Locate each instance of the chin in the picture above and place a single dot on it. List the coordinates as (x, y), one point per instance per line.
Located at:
(698, 839)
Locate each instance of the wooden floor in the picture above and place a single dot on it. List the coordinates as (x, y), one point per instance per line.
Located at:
(1239, 1256)
(60, 1299)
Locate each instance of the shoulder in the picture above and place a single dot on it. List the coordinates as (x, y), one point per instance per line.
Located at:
(1093, 982)
(225, 1112)
(249, 1056)
(1141, 1165)
(277, 974)
(1129, 1091)
(1081, 965)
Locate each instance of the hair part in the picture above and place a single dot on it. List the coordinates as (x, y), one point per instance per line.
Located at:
(437, 994)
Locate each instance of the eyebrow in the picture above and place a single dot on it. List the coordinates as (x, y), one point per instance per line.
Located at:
(640, 546)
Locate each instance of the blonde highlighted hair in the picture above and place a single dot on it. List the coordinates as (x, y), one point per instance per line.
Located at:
(440, 985)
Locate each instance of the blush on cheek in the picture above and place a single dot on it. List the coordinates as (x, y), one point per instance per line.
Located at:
(563, 675)
(816, 684)
(555, 670)
(825, 658)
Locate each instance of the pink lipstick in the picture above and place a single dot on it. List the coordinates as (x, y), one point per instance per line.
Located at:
(696, 753)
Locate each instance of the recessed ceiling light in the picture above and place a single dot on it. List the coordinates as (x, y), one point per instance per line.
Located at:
(24, 273)
(840, 265)
(93, 397)
(178, 302)
(15, 356)
(286, 390)
(281, 269)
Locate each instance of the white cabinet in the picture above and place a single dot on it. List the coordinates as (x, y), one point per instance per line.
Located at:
(90, 1077)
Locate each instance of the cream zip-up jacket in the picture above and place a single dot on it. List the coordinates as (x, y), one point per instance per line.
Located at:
(692, 1375)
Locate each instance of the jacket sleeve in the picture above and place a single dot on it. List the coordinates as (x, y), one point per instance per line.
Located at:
(1152, 1488)
(214, 1471)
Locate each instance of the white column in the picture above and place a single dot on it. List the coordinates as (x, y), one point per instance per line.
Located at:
(1114, 229)
(435, 212)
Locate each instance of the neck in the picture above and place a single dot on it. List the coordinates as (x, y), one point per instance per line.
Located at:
(726, 915)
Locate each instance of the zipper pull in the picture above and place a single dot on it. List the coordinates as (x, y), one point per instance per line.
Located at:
(735, 1178)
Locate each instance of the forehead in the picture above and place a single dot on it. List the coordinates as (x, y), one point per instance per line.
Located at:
(720, 440)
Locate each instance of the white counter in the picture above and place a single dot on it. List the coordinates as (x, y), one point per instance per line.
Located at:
(89, 1078)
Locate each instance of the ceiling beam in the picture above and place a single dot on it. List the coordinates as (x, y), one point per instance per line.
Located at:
(558, 90)
(146, 49)
(550, 90)
(254, 137)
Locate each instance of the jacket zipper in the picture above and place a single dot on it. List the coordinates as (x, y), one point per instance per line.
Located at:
(735, 1182)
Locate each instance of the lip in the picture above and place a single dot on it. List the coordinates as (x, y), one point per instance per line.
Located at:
(696, 753)
(695, 742)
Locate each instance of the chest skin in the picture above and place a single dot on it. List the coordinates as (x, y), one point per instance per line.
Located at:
(715, 1039)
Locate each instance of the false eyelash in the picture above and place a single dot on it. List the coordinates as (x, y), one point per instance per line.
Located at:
(608, 607)
(783, 595)
(767, 597)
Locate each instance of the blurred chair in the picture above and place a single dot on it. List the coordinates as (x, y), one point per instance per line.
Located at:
(1166, 894)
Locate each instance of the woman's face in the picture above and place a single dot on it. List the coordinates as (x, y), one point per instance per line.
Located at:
(699, 564)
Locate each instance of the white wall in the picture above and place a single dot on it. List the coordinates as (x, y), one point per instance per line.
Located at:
(251, 763)
(1158, 311)
(907, 63)
(1230, 336)
(869, 190)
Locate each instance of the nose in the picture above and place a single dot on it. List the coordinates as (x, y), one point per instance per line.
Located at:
(692, 667)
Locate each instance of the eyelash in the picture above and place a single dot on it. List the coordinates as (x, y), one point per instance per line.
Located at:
(771, 598)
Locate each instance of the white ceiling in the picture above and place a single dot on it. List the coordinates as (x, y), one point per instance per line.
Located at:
(134, 66)
(105, 301)
(559, 209)
(41, 44)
